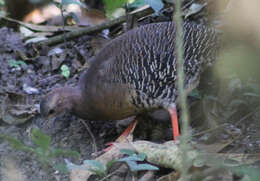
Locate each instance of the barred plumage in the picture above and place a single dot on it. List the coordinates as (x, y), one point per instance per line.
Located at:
(142, 63)
(136, 72)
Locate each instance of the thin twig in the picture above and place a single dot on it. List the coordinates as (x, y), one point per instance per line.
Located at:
(182, 93)
(222, 125)
(109, 175)
(91, 135)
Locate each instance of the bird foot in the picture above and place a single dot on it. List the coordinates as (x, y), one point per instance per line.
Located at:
(129, 130)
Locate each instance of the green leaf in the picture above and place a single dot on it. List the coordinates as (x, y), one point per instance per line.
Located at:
(157, 5)
(16, 144)
(61, 168)
(134, 167)
(111, 5)
(110, 163)
(65, 71)
(97, 172)
(137, 4)
(45, 161)
(40, 152)
(130, 158)
(72, 166)
(77, 2)
(141, 167)
(41, 140)
(22, 63)
(61, 152)
(139, 157)
(95, 165)
(127, 152)
(16, 64)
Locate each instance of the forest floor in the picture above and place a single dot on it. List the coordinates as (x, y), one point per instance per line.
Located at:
(223, 110)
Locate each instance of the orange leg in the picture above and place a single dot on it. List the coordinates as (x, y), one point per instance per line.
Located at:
(130, 129)
(174, 119)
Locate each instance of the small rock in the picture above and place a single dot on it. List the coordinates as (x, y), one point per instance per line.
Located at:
(30, 90)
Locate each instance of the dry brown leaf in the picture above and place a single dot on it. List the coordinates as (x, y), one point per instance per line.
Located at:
(92, 17)
(17, 109)
(10, 172)
(41, 28)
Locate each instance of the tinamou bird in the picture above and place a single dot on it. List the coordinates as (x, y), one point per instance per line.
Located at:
(136, 73)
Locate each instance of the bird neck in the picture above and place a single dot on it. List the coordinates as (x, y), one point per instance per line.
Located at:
(71, 98)
(76, 102)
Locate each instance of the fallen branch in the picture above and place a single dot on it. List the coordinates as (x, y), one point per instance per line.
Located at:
(167, 155)
(93, 29)
(39, 28)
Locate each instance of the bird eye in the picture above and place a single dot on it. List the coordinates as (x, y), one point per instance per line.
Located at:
(51, 111)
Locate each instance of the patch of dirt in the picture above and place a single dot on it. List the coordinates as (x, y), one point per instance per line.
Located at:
(40, 74)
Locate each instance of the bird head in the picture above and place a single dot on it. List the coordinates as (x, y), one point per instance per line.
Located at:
(55, 103)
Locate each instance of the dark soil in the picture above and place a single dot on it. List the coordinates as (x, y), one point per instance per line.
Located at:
(224, 109)
(25, 85)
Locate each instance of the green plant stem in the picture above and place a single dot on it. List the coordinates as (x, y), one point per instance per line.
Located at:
(182, 93)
